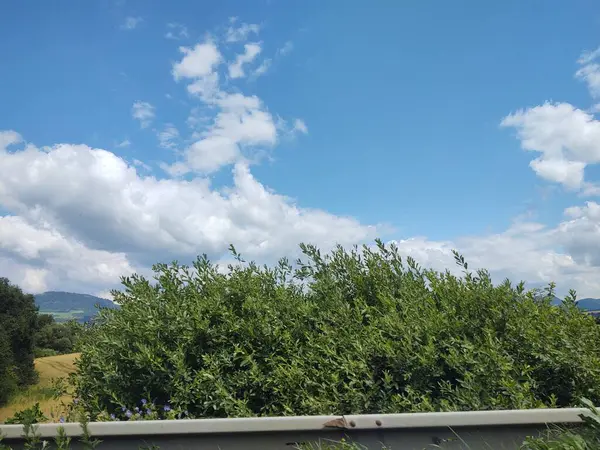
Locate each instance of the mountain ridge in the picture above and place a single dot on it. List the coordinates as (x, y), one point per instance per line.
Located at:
(70, 305)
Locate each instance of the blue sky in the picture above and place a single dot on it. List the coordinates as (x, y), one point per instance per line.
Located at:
(359, 119)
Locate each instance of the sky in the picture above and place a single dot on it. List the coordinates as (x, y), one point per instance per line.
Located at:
(140, 131)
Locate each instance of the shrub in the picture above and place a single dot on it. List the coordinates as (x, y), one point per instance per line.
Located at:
(359, 331)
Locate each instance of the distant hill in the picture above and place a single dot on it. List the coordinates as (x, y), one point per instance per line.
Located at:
(68, 305)
(589, 304)
(585, 304)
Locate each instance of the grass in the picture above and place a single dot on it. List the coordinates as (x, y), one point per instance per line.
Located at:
(49, 368)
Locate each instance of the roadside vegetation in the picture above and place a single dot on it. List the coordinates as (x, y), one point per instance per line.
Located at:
(349, 332)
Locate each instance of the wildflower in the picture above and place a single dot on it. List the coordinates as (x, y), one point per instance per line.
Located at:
(62, 419)
(128, 413)
(123, 409)
(148, 412)
(144, 401)
(76, 400)
(112, 416)
(136, 409)
(167, 408)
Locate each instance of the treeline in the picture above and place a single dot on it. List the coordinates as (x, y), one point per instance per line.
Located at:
(24, 335)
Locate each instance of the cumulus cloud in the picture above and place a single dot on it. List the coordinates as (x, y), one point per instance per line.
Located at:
(199, 64)
(236, 68)
(84, 216)
(143, 112)
(40, 250)
(567, 138)
(241, 123)
(99, 200)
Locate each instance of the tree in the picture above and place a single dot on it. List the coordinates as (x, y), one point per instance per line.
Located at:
(361, 331)
(18, 318)
(56, 338)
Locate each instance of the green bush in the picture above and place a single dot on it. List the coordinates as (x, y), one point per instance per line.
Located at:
(349, 332)
(28, 416)
(44, 352)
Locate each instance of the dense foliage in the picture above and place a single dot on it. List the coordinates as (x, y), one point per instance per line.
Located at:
(18, 315)
(349, 332)
(53, 338)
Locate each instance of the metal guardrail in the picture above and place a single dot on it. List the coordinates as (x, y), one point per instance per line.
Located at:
(489, 430)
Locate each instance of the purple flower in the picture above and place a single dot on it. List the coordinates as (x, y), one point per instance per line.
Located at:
(148, 412)
(167, 408)
(144, 401)
(112, 416)
(75, 400)
(136, 409)
(128, 413)
(123, 409)
(62, 419)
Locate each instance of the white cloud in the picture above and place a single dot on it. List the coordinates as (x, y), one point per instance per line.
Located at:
(113, 215)
(124, 144)
(567, 138)
(241, 123)
(176, 31)
(131, 23)
(241, 33)
(41, 250)
(198, 61)
(168, 137)
(236, 68)
(84, 217)
(143, 112)
(199, 64)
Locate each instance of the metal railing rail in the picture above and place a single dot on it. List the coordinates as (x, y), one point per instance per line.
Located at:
(474, 430)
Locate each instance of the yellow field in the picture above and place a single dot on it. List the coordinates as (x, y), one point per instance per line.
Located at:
(48, 368)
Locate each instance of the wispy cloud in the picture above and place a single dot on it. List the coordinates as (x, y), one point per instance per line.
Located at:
(300, 126)
(286, 49)
(176, 31)
(241, 33)
(263, 68)
(143, 112)
(168, 136)
(124, 144)
(131, 23)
